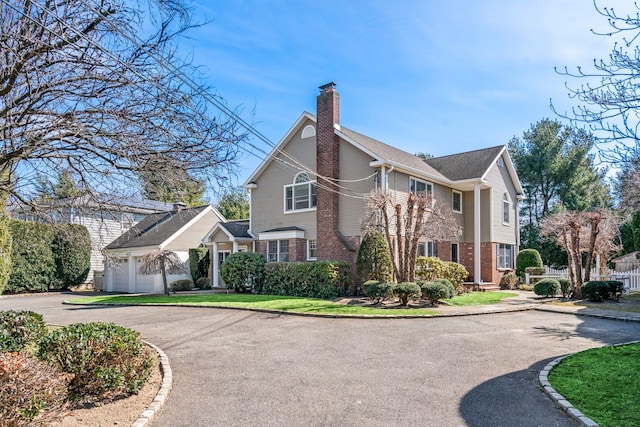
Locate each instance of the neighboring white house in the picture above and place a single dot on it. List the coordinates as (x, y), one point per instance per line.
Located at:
(105, 221)
(177, 230)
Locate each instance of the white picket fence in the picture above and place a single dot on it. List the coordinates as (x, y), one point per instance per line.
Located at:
(630, 278)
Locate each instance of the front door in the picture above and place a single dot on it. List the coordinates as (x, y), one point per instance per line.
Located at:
(222, 256)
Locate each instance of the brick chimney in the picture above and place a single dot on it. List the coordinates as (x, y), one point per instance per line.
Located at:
(327, 164)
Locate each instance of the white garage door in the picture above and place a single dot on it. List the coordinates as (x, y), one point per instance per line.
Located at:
(121, 276)
(144, 282)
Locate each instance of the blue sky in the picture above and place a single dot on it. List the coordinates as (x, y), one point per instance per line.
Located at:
(436, 77)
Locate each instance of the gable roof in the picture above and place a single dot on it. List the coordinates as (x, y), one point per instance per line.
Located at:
(238, 229)
(466, 166)
(157, 228)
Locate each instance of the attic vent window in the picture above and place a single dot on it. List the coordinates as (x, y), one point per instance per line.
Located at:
(308, 131)
(500, 162)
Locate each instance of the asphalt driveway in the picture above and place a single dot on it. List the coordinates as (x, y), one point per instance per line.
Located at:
(239, 368)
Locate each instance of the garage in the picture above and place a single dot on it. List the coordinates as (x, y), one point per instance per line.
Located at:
(121, 276)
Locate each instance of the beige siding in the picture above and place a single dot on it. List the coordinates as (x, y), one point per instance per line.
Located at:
(500, 181)
(267, 201)
(192, 236)
(467, 208)
(354, 166)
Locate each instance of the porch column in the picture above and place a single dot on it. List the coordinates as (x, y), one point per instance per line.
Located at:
(235, 247)
(477, 270)
(216, 279)
(132, 274)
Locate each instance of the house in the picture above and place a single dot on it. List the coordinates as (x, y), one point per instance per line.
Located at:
(105, 221)
(223, 239)
(176, 230)
(626, 262)
(309, 195)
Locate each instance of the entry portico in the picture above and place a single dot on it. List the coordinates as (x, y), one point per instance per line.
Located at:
(226, 238)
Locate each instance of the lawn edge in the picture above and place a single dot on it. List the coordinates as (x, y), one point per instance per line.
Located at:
(560, 400)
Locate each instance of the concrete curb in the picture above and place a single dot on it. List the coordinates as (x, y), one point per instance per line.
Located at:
(147, 417)
(564, 404)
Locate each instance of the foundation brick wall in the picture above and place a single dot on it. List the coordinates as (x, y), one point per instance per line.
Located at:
(444, 250)
(488, 258)
(297, 250)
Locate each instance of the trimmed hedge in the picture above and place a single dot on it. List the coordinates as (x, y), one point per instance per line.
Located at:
(181, 285)
(436, 290)
(244, 271)
(547, 287)
(322, 279)
(199, 262)
(597, 291)
(527, 258)
(107, 360)
(47, 256)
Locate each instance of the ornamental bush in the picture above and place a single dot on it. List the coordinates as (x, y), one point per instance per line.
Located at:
(407, 291)
(509, 281)
(365, 285)
(547, 287)
(381, 291)
(565, 287)
(456, 274)
(33, 267)
(323, 279)
(31, 392)
(20, 330)
(181, 285)
(203, 283)
(527, 258)
(244, 271)
(199, 262)
(374, 258)
(430, 268)
(108, 361)
(436, 290)
(595, 290)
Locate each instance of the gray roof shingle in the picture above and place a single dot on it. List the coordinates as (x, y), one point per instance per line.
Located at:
(155, 228)
(238, 229)
(468, 165)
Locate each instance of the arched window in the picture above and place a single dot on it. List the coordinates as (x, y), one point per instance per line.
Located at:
(301, 194)
(506, 207)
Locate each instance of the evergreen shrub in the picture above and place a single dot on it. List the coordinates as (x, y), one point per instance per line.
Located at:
(33, 267)
(107, 360)
(72, 255)
(20, 330)
(199, 262)
(181, 285)
(5, 251)
(381, 291)
(565, 287)
(374, 258)
(509, 281)
(527, 258)
(436, 290)
(322, 279)
(547, 288)
(244, 271)
(407, 291)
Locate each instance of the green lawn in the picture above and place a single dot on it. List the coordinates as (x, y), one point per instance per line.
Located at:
(603, 383)
(284, 303)
(270, 302)
(479, 298)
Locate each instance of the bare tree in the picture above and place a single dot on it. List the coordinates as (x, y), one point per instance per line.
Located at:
(609, 95)
(589, 233)
(419, 217)
(81, 90)
(162, 262)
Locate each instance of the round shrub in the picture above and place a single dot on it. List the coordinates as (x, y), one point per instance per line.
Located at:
(181, 285)
(547, 287)
(374, 258)
(20, 329)
(365, 285)
(616, 288)
(407, 291)
(509, 281)
(565, 287)
(595, 290)
(243, 271)
(380, 291)
(435, 291)
(203, 283)
(31, 392)
(107, 360)
(449, 286)
(527, 258)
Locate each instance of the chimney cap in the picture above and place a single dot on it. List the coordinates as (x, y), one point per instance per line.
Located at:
(178, 206)
(327, 87)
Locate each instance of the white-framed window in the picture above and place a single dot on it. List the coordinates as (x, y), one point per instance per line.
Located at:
(278, 251)
(222, 257)
(506, 207)
(416, 186)
(301, 195)
(428, 249)
(312, 250)
(505, 256)
(455, 252)
(456, 201)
